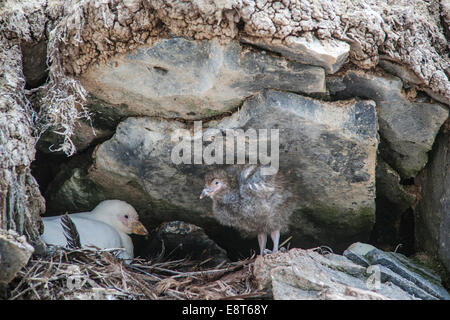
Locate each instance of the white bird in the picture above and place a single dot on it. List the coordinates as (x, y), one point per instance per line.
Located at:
(107, 226)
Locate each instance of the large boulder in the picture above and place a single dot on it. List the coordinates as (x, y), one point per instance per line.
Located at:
(188, 79)
(407, 128)
(328, 150)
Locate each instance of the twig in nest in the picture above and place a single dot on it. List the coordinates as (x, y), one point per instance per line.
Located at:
(323, 250)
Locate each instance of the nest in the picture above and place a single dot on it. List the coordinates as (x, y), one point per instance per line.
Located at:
(97, 274)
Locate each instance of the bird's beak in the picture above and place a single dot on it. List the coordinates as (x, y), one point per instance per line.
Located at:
(205, 192)
(138, 228)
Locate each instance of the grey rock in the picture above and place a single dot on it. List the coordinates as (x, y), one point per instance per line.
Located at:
(357, 258)
(437, 97)
(195, 79)
(305, 274)
(407, 129)
(328, 149)
(399, 270)
(85, 134)
(329, 54)
(432, 213)
(14, 254)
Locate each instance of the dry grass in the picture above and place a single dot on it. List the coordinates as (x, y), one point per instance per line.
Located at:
(97, 274)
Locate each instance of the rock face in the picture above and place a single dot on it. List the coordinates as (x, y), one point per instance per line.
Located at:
(14, 254)
(328, 54)
(89, 33)
(309, 275)
(331, 163)
(195, 79)
(407, 129)
(433, 211)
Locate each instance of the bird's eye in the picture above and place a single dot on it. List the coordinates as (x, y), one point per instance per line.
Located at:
(217, 182)
(126, 216)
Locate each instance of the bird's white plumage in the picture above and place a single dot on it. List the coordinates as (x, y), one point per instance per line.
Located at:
(97, 227)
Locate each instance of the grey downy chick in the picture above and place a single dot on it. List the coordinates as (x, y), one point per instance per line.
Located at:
(253, 203)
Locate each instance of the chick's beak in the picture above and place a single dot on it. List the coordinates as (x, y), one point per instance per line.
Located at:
(205, 192)
(138, 228)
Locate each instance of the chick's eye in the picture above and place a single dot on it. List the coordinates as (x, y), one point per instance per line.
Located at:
(126, 216)
(217, 182)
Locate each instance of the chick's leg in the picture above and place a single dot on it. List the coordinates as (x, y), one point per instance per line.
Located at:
(262, 239)
(275, 235)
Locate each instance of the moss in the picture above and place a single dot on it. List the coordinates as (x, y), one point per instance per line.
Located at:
(210, 113)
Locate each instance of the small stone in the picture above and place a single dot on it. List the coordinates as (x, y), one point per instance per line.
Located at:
(14, 254)
(329, 54)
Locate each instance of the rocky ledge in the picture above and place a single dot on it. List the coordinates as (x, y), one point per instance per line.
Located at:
(362, 273)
